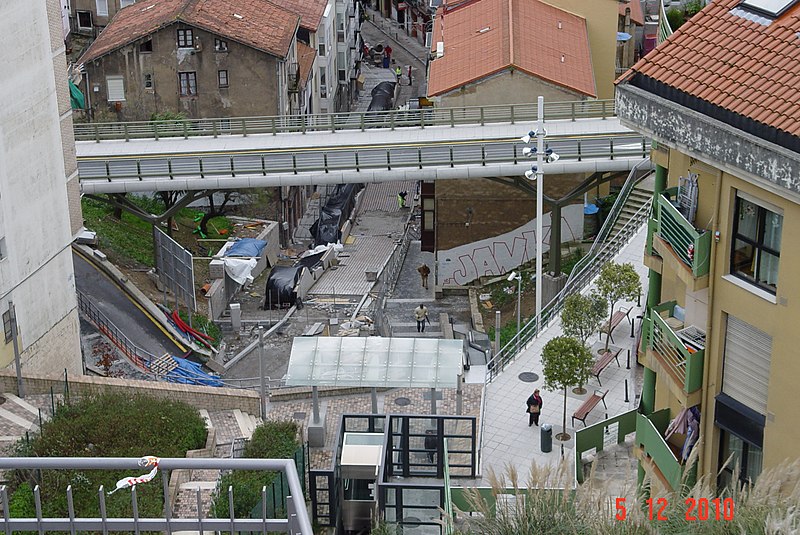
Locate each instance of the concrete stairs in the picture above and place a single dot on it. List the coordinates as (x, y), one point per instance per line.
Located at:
(640, 194)
(409, 330)
(17, 417)
(247, 422)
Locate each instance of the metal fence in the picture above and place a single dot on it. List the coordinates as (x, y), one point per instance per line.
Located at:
(389, 274)
(333, 122)
(294, 520)
(604, 248)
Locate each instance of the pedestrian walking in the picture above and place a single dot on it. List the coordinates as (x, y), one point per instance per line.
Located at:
(424, 271)
(430, 444)
(421, 315)
(387, 51)
(401, 199)
(534, 404)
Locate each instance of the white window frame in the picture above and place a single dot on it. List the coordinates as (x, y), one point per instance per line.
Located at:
(101, 6)
(113, 92)
(126, 3)
(78, 20)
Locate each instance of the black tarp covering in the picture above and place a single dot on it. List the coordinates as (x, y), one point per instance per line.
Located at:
(328, 228)
(382, 97)
(310, 261)
(280, 286)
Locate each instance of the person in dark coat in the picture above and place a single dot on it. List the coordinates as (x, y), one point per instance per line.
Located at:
(430, 443)
(534, 404)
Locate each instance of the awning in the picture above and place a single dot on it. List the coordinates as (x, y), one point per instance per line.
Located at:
(76, 98)
(623, 36)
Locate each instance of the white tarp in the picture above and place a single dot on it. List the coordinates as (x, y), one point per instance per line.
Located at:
(239, 269)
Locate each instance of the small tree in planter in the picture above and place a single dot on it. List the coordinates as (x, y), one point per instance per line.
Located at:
(567, 362)
(617, 281)
(581, 317)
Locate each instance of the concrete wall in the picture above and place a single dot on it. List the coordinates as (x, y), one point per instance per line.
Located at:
(253, 78)
(36, 271)
(501, 254)
(507, 87)
(200, 397)
(601, 23)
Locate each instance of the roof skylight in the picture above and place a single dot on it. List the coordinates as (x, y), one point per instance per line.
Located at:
(773, 8)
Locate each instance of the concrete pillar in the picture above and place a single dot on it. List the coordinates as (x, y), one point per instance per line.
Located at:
(551, 285)
(661, 180)
(653, 289)
(648, 401)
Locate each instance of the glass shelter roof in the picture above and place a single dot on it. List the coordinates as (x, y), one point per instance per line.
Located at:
(374, 362)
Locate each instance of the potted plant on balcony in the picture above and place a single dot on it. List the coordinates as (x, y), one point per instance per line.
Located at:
(566, 362)
(616, 281)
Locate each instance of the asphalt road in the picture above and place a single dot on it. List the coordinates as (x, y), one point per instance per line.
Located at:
(337, 158)
(120, 310)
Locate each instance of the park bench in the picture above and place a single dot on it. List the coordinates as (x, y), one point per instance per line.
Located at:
(590, 403)
(603, 361)
(616, 319)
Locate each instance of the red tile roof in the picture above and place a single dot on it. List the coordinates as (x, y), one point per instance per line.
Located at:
(259, 24)
(305, 57)
(743, 66)
(637, 15)
(310, 11)
(484, 37)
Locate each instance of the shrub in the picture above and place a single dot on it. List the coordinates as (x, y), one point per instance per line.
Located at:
(271, 440)
(675, 18)
(106, 425)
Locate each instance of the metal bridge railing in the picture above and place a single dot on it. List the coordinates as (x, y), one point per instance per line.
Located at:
(604, 248)
(294, 518)
(333, 122)
(366, 159)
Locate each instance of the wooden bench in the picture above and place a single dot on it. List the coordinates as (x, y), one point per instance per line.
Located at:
(616, 319)
(584, 410)
(603, 361)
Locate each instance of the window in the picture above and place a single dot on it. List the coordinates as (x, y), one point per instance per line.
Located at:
(123, 3)
(341, 60)
(323, 84)
(148, 81)
(185, 38)
(746, 459)
(84, 20)
(115, 88)
(321, 49)
(188, 83)
(102, 8)
(220, 45)
(756, 246)
(147, 46)
(222, 78)
(3, 252)
(7, 325)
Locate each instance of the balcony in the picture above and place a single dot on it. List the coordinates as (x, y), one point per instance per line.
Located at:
(682, 248)
(658, 457)
(676, 351)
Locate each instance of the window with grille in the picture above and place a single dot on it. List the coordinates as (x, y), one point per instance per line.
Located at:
(222, 78)
(116, 88)
(185, 38)
(756, 248)
(220, 45)
(188, 83)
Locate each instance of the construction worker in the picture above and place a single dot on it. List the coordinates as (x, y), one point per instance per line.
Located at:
(398, 72)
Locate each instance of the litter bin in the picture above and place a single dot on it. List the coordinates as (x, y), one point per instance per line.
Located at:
(547, 438)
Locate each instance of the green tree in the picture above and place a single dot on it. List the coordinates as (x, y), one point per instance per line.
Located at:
(617, 281)
(675, 18)
(582, 315)
(567, 362)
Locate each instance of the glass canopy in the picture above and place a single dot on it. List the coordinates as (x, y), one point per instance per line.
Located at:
(374, 362)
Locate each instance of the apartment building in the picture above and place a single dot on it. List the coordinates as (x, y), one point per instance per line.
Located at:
(720, 339)
(40, 210)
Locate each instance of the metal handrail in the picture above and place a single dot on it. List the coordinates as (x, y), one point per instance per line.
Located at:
(603, 249)
(256, 164)
(333, 122)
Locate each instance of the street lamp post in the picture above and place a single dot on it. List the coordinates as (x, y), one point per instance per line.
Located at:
(518, 277)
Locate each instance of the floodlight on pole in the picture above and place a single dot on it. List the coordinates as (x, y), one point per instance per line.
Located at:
(531, 174)
(527, 137)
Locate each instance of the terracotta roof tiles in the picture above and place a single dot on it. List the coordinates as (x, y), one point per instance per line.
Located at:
(310, 11)
(637, 15)
(259, 24)
(305, 56)
(523, 34)
(740, 65)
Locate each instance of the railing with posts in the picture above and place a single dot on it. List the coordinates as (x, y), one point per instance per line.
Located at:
(692, 246)
(604, 248)
(596, 437)
(333, 122)
(293, 519)
(685, 365)
(288, 162)
(650, 437)
(136, 354)
(388, 276)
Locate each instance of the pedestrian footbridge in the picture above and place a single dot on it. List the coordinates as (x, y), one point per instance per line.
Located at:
(429, 144)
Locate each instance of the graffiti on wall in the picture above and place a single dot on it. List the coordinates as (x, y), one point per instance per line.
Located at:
(494, 256)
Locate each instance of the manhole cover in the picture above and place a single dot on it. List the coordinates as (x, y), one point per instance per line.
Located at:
(402, 401)
(299, 416)
(528, 377)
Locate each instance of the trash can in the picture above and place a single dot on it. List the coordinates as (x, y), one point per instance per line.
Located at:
(547, 438)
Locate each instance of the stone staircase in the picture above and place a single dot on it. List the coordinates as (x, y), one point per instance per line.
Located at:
(640, 194)
(17, 417)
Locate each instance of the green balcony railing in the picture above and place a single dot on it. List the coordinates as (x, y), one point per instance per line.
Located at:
(650, 436)
(692, 246)
(684, 364)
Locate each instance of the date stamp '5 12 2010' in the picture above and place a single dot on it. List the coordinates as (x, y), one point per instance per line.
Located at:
(697, 509)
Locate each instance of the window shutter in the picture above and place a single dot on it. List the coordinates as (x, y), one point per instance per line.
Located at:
(116, 88)
(745, 373)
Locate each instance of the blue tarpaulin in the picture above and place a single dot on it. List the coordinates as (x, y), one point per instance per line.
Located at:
(190, 373)
(247, 247)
